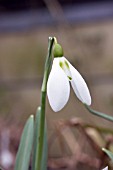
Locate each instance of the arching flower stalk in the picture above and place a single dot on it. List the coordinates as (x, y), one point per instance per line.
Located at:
(61, 76)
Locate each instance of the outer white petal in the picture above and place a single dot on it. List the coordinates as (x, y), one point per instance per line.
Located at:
(58, 88)
(79, 86)
(106, 168)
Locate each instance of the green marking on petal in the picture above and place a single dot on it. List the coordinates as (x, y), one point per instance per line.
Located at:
(70, 78)
(66, 63)
(61, 64)
(65, 67)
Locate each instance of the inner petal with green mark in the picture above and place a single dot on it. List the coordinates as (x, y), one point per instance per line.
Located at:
(65, 66)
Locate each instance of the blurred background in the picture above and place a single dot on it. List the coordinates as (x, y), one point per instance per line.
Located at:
(85, 30)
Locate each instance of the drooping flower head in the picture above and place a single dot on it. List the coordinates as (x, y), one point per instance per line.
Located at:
(61, 76)
(106, 168)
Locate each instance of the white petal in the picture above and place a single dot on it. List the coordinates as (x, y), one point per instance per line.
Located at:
(106, 168)
(58, 88)
(79, 86)
(65, 66)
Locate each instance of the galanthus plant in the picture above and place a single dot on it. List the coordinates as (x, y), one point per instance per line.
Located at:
(58, 86)
(59, 74)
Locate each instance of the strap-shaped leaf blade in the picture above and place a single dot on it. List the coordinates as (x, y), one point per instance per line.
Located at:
(25, 147)
(109, 153)
(36, 139)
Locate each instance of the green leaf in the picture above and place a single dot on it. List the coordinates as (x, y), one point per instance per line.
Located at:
(36, 144)
(109, 153)
(36, 139)
(25, 147)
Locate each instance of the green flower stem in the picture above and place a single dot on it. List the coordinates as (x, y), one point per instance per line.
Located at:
(43, 101)
(100, 114)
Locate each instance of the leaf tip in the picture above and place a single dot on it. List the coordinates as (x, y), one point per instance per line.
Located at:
(31, 116)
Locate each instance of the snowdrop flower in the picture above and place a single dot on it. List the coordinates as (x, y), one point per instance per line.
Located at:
(6, 159)
(106, 168)
(58, 86)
